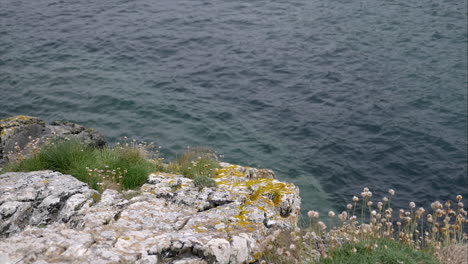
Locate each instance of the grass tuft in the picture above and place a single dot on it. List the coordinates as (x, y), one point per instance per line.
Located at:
(119, 167)
(203, 181)
(378, 251)
(196, 163)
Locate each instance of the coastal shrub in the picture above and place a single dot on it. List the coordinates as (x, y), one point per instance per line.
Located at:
(196, 162)
(372, 232)
(120, 167)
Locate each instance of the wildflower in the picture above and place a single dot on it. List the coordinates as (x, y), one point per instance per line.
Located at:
(313, 214)
(293, 235)
(321, 225)
(374, 213)
(459, 197)
(391, 192)
(331, 214)
(370, 203)
(412, 205)
(349, 206)
(355, 199)
(460, 204)
(434, 205)
(343, 216)
(420, 211)
(354, 250)
(292, 247)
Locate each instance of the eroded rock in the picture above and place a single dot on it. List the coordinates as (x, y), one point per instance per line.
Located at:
(170, 220)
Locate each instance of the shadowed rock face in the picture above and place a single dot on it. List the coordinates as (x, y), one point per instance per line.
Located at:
(18, 131)
(49, 217)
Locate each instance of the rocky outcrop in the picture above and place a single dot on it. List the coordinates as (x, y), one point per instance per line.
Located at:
(48, 217)
(17, 132)
(39, 199)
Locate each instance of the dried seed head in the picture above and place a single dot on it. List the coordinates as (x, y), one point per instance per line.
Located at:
(391, 192)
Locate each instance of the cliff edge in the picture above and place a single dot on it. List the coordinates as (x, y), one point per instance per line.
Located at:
(50, 217)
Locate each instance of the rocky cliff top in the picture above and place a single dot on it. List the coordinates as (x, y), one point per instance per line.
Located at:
(49, 217)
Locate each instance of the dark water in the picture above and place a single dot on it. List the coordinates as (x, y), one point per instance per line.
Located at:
(333, 95)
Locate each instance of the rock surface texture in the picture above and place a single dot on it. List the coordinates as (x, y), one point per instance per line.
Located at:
(17, 132)
(48, 217)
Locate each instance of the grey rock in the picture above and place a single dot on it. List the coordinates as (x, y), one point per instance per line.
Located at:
(39, 198)
(168, 221)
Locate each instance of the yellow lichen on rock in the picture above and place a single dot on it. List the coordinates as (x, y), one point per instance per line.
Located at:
(19, 120)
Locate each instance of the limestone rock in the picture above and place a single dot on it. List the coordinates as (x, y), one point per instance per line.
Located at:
(39, 198)
(48, 217)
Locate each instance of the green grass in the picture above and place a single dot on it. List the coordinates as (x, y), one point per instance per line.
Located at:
(203, 181)
(195, 162)
(74, 157)
(394, 252)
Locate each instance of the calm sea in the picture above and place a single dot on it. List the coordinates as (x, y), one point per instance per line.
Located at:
(334, 95)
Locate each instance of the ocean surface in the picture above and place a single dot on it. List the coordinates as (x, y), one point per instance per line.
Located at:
(333, 95)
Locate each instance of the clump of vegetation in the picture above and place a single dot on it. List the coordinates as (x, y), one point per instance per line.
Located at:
(195, 163)
(378, 251)
(378, 236)
(203, 181)
(124, 166)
